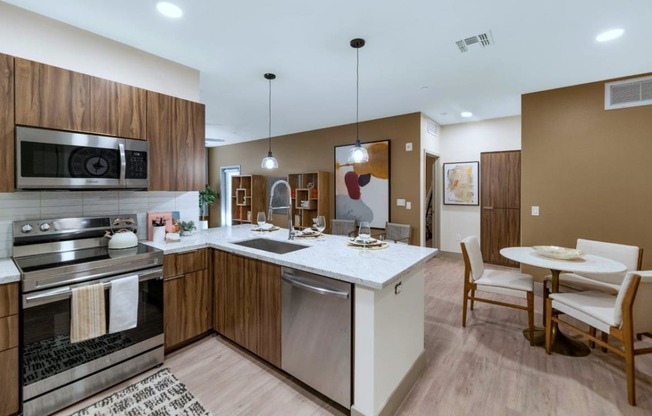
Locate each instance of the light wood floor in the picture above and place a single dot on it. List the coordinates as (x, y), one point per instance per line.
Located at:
(487, 368)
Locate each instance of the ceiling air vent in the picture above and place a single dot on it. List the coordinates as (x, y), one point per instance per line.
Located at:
(480, 41)
(628, 93)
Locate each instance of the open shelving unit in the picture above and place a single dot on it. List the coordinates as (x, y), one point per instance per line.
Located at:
(309, 197)
(247, 198)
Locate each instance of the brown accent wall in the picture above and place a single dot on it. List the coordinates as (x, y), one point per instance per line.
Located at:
(314, 150)
(587, 168)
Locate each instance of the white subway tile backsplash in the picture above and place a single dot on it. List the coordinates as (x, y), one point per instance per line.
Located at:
(20, 213)
(52, 204)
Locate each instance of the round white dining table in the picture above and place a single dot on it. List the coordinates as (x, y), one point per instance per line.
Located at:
(588, 263)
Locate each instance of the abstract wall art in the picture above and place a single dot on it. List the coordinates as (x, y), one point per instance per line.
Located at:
(362, 189)
(461, 183)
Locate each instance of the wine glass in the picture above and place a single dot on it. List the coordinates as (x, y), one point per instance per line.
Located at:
(260, 219)
(364, 233)
(320, 223)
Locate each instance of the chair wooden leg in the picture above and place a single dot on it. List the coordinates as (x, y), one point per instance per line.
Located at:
(630, 371)
(472, 298)
(546, 292)
(548, 324)
(530, 316)
(605, 338)
(464, 304)
(592, 332)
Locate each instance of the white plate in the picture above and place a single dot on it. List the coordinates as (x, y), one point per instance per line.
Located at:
(369, 242)
(559, 253)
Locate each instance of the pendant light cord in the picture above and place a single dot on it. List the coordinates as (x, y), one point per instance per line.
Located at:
(270, 116)
(357, 96)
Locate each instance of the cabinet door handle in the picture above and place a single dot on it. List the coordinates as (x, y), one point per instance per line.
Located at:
(167, 279)
(487, 207)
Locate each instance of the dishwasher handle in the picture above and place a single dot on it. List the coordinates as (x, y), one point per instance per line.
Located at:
(289, 278)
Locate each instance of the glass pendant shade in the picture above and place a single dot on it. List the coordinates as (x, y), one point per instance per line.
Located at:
(358, 154)
(269, 162)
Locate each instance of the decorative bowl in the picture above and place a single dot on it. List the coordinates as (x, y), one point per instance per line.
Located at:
(559, 253)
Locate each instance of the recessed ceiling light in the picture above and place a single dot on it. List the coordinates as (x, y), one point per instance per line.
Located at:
(609, 35)
(466, 114)
(168, 9)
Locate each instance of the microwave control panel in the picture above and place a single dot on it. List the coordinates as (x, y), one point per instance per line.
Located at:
(136, 165)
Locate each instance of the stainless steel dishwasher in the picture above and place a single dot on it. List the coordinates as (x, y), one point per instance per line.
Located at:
(316, 328)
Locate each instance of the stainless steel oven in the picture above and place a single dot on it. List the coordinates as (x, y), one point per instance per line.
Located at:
(55, 259)
(49, 159)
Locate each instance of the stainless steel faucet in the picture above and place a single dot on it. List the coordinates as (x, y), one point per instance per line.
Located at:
(289, 206)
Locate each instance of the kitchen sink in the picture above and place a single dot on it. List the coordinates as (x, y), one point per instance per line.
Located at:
(272, 246)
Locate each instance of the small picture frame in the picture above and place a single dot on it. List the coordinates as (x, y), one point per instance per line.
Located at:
(461, 183)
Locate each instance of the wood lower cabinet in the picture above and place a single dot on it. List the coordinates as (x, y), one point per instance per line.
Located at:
(9, 402)
(187, 297)
(7, 123)
(176, 134)
(248, 304)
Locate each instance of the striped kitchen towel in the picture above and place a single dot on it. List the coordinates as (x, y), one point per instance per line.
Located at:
(88, 314)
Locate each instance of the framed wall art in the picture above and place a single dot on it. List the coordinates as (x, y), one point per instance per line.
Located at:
(461, 181)
(362, 189)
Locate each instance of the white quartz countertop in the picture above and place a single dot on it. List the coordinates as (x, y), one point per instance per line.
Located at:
(328, 255)
(8, 271)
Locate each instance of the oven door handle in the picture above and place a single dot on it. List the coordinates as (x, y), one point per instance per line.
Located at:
(65, 292)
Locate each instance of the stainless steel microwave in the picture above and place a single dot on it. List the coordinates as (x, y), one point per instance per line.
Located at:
(49, 159)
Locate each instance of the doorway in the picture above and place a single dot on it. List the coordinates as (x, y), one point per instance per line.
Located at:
(431, 208)
(500, 217)
(226, 172)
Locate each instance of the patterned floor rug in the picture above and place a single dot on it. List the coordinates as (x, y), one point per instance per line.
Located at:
(160, 394)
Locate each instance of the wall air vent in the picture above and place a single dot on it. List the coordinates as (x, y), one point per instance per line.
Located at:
(432, 127)
(475, 42)
(628, 93)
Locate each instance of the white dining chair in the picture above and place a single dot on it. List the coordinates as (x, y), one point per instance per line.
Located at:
(630, 256)
(621, 316)
(502, 282)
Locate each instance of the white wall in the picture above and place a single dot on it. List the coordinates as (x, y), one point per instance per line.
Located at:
(31, 36)
(464, 143)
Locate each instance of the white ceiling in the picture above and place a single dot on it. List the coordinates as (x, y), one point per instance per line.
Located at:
(410, 62)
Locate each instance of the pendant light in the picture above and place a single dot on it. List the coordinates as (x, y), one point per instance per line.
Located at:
(357, 154)
(270, 162)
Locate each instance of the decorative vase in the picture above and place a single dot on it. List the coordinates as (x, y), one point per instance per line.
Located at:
(203, 225)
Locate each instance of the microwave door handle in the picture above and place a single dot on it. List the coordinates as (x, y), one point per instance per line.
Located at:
(123, 165)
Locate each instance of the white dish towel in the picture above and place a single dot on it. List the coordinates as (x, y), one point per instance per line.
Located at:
(123, 311)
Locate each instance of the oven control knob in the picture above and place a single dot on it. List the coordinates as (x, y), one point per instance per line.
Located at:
(45, 226)
(26, 228)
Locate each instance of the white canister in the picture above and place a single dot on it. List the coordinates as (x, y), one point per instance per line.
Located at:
(158, 235)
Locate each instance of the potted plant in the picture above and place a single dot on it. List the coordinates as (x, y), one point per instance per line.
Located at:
(187, 227)
(206, 197)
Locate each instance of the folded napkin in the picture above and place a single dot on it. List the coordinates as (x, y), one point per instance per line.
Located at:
(88, 317)
(123, 311)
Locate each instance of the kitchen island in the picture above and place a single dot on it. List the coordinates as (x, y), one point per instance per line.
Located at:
(388, 303)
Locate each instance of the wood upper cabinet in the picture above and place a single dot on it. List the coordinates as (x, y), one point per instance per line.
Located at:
(176, 134)
(51, 97)
(118, 109)
(7, 128)
(248, 304)
(9, 382)
(56, 98)
(187, 297)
